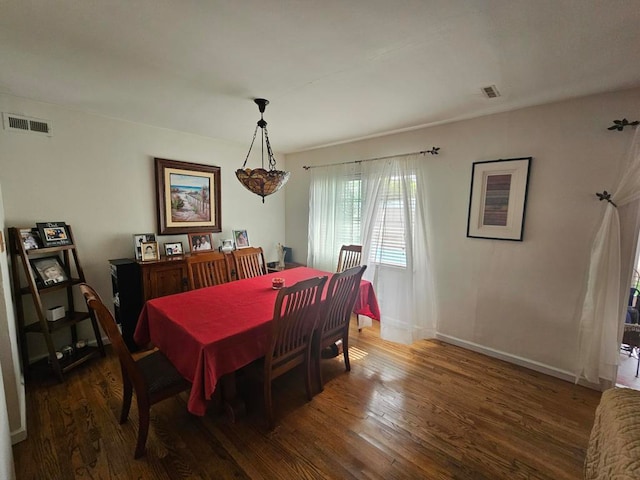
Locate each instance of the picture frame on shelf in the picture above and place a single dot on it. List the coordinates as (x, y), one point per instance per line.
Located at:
(139, 239)
(30, 238)
(173, 248)
(188, 197)
(54, 234)
(241, 238)
(226, 245)
(49, 270)
(498, 199)
(200, 242)
(150, 251)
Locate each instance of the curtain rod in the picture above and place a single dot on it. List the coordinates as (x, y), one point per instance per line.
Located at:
(433, 151)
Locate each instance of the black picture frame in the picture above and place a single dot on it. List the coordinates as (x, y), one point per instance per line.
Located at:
(49, 271)
(54, 234)
(498, 199)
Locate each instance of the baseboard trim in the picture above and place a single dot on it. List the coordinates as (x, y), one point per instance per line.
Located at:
(522, 362)
(18, 435)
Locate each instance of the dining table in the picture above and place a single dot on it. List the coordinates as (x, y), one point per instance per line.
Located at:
(210, 333)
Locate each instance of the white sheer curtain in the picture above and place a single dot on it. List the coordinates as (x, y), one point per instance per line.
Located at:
(394, 208)
(604, 304)
(334, 204)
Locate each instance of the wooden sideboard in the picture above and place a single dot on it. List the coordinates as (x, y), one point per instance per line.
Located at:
(163, 277)
(134, 282)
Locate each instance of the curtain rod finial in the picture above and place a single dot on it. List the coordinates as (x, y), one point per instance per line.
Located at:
(620, 124)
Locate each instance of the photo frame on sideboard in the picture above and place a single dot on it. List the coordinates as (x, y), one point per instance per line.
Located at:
(498, 199)
(200, 242)
(173, 248)
(150, 251)
(241, 238)
(138, 240)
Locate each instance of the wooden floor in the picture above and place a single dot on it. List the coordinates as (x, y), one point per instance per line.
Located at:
(431, 410)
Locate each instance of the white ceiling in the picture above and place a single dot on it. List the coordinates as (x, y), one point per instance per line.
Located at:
(334, 70)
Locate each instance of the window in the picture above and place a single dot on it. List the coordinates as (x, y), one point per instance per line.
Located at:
(388, 239)
(388, 245)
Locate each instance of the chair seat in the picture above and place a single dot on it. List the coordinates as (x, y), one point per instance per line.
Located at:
(159, 373)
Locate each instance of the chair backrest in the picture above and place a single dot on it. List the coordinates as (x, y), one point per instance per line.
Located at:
(249, 262)
(207, 269)
(633, 293)
(342, 293)
(108, 324)
(350, 256)
(294, 319)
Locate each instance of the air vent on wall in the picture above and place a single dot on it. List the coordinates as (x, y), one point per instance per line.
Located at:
(491, 91)
(20, 123)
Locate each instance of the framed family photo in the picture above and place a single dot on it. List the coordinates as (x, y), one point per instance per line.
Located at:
(174, 248)
(241, 238)
(150, 251)
(188, 196)
(54, 234)
(30, 238)
(498, 199)
(200, 242)
(139, 239)
(49, 270)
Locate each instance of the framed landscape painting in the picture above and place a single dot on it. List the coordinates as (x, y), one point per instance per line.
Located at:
(188, 196)
(498, 199)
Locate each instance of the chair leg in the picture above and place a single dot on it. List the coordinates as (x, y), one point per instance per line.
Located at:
(268, 404)
(127, 392)
(143, 427)
(316, 356)
(345, 352)
(307, 375)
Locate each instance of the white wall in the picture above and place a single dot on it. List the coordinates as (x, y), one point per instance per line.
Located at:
(514, 299)
(97, 175)
(13, 381)
(7, 471)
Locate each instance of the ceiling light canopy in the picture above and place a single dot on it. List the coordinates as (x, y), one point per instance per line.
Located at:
(260, 181)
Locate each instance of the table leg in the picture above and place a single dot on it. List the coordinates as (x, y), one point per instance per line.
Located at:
(233, 405)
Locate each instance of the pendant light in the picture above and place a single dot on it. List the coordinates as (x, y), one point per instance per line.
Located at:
(260, 181)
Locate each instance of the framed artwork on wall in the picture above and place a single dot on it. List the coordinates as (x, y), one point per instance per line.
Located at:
(188, 196)
(498, 199)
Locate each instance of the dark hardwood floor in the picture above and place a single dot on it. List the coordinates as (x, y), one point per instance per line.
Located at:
(431, 410)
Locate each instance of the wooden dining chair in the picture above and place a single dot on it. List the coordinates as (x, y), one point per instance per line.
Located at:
(207, 269)
(333, 323)
(249, 262)
(153, 377)
(294, 320)
(350, 256)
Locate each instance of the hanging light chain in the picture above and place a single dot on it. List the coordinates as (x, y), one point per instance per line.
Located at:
(272, 160)
(250, 147)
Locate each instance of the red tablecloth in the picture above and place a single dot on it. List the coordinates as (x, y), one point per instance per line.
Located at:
(210, 332)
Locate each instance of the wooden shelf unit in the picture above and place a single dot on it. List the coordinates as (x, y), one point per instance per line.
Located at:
(42, 326)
